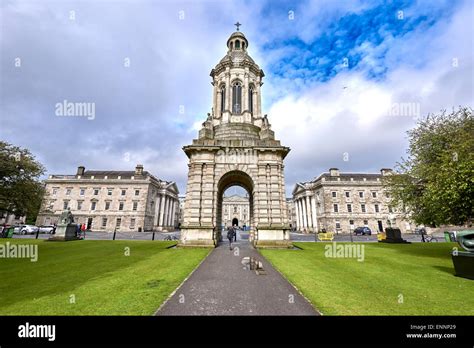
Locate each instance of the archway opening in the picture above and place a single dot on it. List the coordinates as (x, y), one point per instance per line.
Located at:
(235, 205)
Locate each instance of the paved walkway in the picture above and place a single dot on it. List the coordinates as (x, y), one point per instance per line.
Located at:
(223, 285)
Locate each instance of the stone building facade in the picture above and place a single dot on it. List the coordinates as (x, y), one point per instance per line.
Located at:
(340, 202)
(236, 146)
(235, 211)
(108, 200)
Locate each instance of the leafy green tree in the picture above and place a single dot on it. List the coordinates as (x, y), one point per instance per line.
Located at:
(21, 190)
(435, 184)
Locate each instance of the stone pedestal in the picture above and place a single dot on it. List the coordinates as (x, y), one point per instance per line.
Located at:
(393, 235)
(64, 232)
(198, 237)
(463, 264)
(271, 237)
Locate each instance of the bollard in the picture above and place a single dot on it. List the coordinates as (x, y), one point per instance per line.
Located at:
(37, 233)
(153, 238)
(115, 231)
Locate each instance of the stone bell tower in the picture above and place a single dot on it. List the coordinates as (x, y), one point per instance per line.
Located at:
(236, 146)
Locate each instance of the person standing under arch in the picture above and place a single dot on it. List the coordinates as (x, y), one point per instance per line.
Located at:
(230, 235)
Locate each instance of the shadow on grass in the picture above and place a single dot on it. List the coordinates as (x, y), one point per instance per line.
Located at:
(436, 250)
(62, 267)
(449, 270)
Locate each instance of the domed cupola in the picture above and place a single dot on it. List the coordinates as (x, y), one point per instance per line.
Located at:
(237, 42)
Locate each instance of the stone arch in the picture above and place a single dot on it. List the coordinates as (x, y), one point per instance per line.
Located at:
(234, 178)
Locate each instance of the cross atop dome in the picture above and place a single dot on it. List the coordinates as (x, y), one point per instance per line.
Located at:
(237, 25)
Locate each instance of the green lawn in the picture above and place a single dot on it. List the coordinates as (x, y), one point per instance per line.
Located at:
(98, 275)
(420, 275)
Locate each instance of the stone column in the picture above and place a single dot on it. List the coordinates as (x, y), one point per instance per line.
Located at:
(259, 99)
(228, 101)
(157, 210)
(310, 217)
(305, 218)
(217, 111)
(254, 102)
(302, 226)
(314, 213)
(170, 201)
(214, 96)
(245, 101)
(162, 209)
(173, 212)
(297, 211)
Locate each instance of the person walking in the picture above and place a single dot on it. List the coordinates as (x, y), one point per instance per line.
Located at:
(83, 230)
(235, 233)
(230, 236)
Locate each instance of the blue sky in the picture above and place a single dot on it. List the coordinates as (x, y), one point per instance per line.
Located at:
(330, 115)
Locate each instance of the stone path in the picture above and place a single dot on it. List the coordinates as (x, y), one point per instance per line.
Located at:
(222, 285)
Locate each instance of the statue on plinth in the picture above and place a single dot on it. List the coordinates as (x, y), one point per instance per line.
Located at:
(66, 229)
(66, 217)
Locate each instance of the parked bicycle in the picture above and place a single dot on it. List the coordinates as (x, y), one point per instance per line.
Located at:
(430, 238)
(171, 237)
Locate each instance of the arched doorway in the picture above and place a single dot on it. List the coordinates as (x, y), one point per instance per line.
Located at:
(229, 179)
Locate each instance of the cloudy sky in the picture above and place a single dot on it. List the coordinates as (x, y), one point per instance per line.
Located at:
(344, 79)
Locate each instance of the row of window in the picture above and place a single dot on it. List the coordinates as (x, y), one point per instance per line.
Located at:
(363, 208)
(93, 205)
(96, 191)
(118, 222)
(347, 194)
(235, 210)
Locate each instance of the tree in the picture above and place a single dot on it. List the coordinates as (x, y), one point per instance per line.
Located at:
(435, 184)
(21, 191)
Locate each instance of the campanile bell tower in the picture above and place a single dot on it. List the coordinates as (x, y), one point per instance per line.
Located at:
(237, 80)
(236, 146)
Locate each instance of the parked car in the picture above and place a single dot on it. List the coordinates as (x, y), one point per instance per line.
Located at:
(27, 229)
(362, 231)
(46, 229)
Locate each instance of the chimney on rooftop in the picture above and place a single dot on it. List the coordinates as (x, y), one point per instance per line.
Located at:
(139, 169)
(386, 171)
(80, 170)
(333, 171)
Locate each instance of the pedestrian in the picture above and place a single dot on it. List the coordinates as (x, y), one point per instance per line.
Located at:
(235, 233)
(83, 229)
(230, 236)
(78, 230)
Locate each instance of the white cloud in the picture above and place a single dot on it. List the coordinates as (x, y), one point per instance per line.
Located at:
(328, 119)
